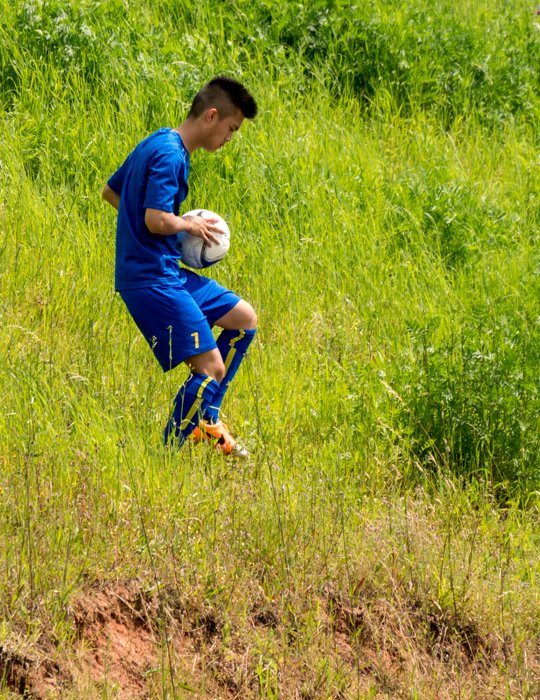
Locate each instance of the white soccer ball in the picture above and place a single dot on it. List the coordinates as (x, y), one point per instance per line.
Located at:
(198, 254)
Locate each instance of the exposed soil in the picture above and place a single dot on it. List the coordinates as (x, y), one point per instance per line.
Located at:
(36, 672)
(116, 640)
(114, 645)
(118, 648)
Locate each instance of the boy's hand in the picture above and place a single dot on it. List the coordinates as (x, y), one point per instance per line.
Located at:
(200, 227)
(166, 223)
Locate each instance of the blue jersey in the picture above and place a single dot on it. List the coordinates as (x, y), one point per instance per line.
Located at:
(153, 176)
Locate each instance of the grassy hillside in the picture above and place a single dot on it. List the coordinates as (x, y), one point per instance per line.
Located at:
(385, 211)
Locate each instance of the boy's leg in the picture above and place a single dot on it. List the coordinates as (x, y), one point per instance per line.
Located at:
(177, 331)
(223, 308)
(194, 396)
(239, 326)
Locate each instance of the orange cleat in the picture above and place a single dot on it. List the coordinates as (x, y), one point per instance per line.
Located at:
(218, 435)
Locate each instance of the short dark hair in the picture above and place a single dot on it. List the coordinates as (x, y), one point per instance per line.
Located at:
(226, 95)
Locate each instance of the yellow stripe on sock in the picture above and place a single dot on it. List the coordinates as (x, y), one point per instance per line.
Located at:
(196, 404)
(232, 351)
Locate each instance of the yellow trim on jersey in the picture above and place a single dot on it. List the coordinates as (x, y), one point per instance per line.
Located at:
(232, 351)
(196, 404)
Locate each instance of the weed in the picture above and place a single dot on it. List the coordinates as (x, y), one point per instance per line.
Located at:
(384, 210)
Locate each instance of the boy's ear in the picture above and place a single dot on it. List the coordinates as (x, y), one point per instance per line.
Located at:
(212, 114)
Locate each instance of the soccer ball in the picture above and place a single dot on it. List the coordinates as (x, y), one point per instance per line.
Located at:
(198, 254)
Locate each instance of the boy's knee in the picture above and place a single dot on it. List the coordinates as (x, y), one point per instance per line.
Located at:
(218, 372)
(241, 317)
(215, 369)
(251, 318)
(208, 363)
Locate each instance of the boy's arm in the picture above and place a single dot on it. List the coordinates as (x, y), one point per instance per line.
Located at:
(165, 223)
(109, 195)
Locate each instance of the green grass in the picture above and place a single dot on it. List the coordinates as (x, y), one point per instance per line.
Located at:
(385, 225)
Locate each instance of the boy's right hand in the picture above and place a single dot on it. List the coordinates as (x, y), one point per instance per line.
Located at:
(166, 223)
(202, 228)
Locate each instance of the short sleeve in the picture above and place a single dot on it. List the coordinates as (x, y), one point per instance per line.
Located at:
(116, 181)
(165, 177)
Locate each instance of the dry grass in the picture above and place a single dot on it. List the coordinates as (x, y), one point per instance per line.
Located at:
(408, 602)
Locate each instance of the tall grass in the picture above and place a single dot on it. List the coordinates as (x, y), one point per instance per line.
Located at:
(384, 210)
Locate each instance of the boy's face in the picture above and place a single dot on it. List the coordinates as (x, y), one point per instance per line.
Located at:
(220, 131)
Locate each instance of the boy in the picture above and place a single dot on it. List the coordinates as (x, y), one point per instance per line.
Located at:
(175, 308)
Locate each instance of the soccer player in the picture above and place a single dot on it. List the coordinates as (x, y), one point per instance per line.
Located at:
(175, 308)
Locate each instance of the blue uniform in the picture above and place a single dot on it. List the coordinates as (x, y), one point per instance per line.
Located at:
(153, 176)
(176, 320)
(174, 308)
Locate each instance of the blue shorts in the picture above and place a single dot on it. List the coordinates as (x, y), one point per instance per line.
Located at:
(176, 320)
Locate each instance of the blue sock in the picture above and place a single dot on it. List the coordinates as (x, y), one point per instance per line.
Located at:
(189, 405)
(232, 345)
